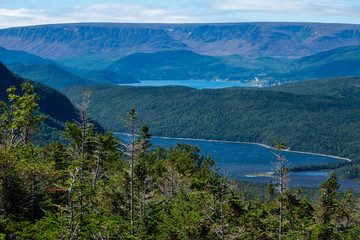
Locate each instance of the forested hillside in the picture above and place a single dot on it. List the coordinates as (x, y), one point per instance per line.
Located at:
(315, 123)
(339, 87)
(53, 104)
(48, 74)
(55, 75)
(339, 62)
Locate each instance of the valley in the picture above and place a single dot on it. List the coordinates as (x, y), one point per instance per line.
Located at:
(310, 115)
(201, 104)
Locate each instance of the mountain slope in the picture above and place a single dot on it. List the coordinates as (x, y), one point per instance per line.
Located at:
(13, 56)
(41, 70)
(339, 62)
(322, 124)
(48, 74)
(52, 103)
(180, 64)
(185, 64)
(114, 40)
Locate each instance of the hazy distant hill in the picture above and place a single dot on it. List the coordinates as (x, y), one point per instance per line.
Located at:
(13, 56)
(339, 62)
(184, 64)
(108, 77)
(48, 74)
(110, 41)
(180, 64)
(38, 69)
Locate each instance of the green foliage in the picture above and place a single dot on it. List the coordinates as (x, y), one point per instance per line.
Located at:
(330, 210)
(178, 195)
(328, 199)
(19, 121)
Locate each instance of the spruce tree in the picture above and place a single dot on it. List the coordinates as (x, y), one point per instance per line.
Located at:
(328, 206)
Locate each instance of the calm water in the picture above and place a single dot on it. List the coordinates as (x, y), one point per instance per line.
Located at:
(242, 159)
(198, 84)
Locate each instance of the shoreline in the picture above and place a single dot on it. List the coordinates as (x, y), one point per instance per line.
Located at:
(266, 174)
(259, 144)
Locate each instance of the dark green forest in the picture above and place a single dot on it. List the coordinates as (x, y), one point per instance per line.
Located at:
(317, 116)
(95, 187)
(54, 105)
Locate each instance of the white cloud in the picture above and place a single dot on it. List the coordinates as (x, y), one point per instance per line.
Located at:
(304, 7)
(22, 16)
(127, 12)
(102, 12)
(210, 11)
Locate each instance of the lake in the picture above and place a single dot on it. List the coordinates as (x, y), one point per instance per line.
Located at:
(198, 84)
(240, 160)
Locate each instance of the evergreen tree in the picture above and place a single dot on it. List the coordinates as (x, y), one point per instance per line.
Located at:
(18, 121)
(143, 168)
(270, 191)
(328, 206)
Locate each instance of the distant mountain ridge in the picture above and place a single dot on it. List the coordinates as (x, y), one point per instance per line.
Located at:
(61, 41)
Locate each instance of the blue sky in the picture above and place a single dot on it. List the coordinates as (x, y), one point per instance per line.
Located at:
(33, 12)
